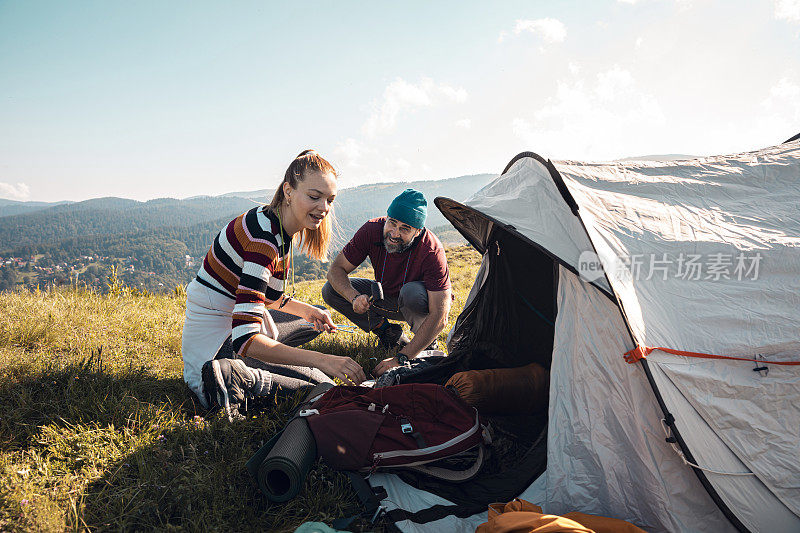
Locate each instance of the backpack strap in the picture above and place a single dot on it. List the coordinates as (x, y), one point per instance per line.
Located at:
(370, 499)
(432, 514)
(456, 476)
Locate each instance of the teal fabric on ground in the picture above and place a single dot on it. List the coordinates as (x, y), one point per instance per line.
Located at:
(316, 527)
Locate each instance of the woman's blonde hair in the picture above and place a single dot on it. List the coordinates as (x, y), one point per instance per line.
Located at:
(314, 242)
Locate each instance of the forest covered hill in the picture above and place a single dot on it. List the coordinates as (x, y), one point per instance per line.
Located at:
(158, 244)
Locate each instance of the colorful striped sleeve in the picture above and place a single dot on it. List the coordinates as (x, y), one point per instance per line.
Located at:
(259, 284)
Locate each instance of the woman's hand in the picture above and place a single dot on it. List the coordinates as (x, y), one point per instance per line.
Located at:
(342, 368)
(321, 319)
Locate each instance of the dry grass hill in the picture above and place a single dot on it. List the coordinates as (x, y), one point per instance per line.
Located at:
(98, 431)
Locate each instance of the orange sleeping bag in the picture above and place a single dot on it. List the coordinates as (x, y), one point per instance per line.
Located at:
(520, 516)
(522, 390)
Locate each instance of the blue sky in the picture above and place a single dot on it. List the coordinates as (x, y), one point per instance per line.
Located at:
(154, 99)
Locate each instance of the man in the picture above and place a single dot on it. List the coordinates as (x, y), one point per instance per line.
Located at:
(411, 266)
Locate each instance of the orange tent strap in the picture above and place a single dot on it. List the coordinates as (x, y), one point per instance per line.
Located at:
(640, 352)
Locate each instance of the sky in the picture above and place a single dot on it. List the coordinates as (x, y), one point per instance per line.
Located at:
(153, 99)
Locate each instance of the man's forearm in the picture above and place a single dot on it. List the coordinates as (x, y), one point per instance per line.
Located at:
(428, 331)
(341, 283)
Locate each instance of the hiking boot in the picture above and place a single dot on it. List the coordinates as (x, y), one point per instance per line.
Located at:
(228, 383)
(392, 336)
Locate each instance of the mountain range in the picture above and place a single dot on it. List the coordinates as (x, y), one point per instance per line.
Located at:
(159, 243)
(36, 227)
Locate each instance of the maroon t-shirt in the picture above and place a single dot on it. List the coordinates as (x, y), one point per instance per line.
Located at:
(425, 260)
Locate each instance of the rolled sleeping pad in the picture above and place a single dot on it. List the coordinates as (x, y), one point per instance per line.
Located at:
(522, 390)
(283, 472)
(280, 467)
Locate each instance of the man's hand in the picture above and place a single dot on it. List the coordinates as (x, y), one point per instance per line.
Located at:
(342, 368)
(385, 365)
(361, 304)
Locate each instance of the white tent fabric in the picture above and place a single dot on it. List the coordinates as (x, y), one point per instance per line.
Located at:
(756, 505)
(527, 198)
(606, 452)
(742, 207)
(758, 435)
(702, 256)
(738, 216)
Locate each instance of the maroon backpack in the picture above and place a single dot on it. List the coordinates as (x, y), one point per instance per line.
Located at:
(403, 426)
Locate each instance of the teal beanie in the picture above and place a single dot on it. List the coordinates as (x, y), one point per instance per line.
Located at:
(409, 207)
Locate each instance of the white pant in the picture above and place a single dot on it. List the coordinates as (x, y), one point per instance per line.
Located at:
(208, 324)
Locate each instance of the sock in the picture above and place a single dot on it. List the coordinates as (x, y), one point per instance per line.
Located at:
(263, 382)
(257, 381)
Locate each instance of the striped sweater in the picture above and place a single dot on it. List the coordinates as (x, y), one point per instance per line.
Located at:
(245, 263)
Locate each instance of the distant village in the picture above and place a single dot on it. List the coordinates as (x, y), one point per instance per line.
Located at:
(87, 270)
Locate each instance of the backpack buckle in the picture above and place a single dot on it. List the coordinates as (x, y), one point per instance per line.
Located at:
(378, 513)
(405, 426)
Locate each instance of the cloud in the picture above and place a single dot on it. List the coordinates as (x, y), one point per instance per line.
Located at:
(350, 152)
(401, 165)
(613, 82)
(682, 4)
(591, 116)
(522, 129)
(422, 107)
(788, 10)
(548, 30)
(784, 99)
(455, 95)
(401, 96)
(20, 191)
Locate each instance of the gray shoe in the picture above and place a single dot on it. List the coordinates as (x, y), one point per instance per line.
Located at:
(228, 383)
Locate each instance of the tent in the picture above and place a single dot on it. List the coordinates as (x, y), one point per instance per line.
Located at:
(667, 307)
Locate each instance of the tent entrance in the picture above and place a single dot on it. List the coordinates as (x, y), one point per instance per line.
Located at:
(513, 313)
(508, 322)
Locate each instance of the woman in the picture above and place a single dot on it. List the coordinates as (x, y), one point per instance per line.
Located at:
(231, 347)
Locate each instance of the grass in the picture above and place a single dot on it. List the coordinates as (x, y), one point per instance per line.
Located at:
(98, 431)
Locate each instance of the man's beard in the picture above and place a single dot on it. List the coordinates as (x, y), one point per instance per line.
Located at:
(396, 248)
